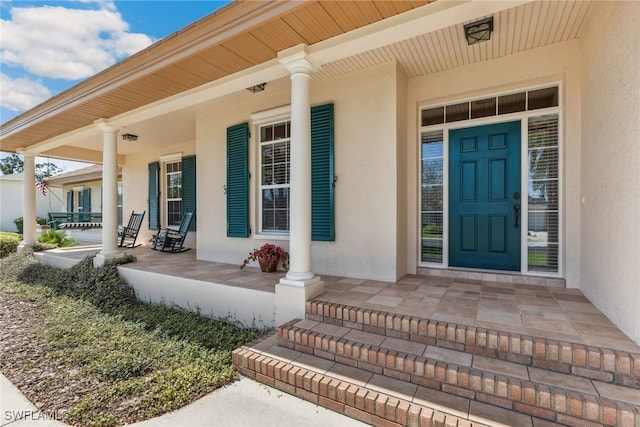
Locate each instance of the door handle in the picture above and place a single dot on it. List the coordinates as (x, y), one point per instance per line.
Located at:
(516, 214)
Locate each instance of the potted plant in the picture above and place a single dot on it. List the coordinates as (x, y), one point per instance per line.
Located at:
(268, 256)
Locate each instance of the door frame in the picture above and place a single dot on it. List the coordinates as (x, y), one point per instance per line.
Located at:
(523, 117)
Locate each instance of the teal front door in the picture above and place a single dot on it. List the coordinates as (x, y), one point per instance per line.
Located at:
(484, 197)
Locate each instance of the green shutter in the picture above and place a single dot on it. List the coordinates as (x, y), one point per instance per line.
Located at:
(86, 200)
(238, 180)
(86, 205)
(322, 173)
(154, 196)
(69, 201)
(189, 187)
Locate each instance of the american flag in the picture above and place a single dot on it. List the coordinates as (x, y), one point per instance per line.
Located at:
(41, 184)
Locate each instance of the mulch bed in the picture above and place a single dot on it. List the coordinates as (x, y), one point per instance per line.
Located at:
(52, 388)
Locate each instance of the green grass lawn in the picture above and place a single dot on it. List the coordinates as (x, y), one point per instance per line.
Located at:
(537, 259)
(139, 360)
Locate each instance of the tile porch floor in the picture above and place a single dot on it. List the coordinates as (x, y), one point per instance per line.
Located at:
(549, 312)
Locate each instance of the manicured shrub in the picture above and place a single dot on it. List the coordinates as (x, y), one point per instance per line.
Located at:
(58, 238)
(9, 243)
(101, 286)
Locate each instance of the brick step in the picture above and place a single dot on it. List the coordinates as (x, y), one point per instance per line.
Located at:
(592, 362)
(363, 395)
(532, 391)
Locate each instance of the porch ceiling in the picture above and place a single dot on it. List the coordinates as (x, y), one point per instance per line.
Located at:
(517, 29)
(240, 35)
(246, 34)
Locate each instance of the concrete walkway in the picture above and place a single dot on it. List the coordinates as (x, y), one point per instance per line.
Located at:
(243, 403)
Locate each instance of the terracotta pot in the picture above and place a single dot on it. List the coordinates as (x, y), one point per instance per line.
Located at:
(266, 267)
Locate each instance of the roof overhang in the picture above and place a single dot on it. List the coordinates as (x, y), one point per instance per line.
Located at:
(145, 73)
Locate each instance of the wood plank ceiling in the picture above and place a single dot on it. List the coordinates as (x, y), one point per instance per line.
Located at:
(241, 35)
(145, 78)
(516, 30)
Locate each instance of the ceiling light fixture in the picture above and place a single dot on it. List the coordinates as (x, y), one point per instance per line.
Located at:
(257, 88)
(129, 137)
(478, 31)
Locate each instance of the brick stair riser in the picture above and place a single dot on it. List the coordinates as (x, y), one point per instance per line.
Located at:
(357, 402)
(539, 400)
(605, 365)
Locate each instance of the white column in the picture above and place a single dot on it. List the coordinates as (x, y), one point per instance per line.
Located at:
(300, 283)
(28, 202)
(300, 196)
(109, 194)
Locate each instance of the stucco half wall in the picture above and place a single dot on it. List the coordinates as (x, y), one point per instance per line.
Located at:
(247, 306)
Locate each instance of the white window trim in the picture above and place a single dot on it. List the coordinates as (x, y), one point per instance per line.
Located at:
(165, 160)
(170, 158)
(272, 115)
(77, 194)
(274, 236)
(261, 118)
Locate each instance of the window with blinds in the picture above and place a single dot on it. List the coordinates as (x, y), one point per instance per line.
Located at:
(543, 184)
(173, 190)
(432, 182)
(275, 160)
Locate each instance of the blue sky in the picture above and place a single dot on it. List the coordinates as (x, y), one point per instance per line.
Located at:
(49, 46)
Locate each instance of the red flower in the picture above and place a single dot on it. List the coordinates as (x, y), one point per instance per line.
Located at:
(270, 253)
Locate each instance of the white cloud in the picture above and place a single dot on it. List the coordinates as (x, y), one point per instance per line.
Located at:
(21, 93)
(64, 43)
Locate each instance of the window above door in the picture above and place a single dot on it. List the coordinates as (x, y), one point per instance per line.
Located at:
(534, 99)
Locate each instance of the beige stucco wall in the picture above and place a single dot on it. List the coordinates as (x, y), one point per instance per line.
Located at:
(547, 65)
(610, 228)
(135, 182)
(404, 228)
(365, 163)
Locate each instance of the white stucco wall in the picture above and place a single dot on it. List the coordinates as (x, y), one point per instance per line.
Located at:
(365, 163)
(610, 247)
(11, 201)
(547, 65)
(135, 184)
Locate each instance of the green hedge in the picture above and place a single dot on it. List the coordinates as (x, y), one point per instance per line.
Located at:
(9, 243)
